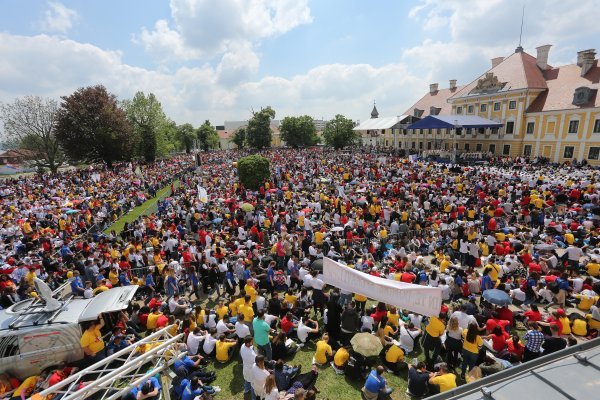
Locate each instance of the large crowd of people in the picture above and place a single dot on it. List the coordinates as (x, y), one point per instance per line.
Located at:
(528, 231)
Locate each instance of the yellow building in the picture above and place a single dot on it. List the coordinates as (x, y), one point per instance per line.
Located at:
(546, 111)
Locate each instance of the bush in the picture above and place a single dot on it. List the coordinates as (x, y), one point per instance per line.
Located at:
(253, 171)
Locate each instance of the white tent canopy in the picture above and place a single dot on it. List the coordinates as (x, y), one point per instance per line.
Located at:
(379, 123)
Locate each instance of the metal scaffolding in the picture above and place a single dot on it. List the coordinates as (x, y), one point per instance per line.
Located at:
(116, 374)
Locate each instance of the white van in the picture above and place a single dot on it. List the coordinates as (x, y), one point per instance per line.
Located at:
(38, 334)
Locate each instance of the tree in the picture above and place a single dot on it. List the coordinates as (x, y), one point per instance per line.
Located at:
(166, 139)
(253, 171)
(207, 135)
(186, 136)
(92, 128)
(146, 116)
(338, 133)
(29, 130)
(239, 138)
(298, 131)
(258, 131)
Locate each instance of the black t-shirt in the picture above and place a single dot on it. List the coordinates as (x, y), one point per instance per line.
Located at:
(417, 381)
(553, 344)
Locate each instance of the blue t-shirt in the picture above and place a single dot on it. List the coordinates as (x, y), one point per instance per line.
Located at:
(76, 283)
(181, 387)
(374, 382)
(486, 283)
(155, 384)
(149, 280)
(189, 393)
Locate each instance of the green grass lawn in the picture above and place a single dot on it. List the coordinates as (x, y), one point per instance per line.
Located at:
(146, 208)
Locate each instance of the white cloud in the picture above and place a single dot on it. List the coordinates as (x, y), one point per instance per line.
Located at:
(58, 18)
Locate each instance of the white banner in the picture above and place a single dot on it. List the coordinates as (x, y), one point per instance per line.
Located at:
(416, 298)
(202, 194)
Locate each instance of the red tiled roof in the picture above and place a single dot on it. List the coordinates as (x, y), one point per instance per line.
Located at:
(518, 71)
(438, 99)
(562, 82)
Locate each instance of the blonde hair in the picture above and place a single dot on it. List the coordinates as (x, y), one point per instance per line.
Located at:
(453, 324)
(270, 384)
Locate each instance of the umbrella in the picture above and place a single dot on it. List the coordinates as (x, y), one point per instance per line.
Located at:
(545, 247)
(362, 200)
(72, 211)
(317, 265)
(247, 207)
(366, 344)
(354, 182)
(497, 297)
(337, 229)
(272, 190)
(305, 210)
(217, 220)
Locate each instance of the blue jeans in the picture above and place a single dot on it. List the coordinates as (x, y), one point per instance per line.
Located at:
(266, 351)
(468, 359)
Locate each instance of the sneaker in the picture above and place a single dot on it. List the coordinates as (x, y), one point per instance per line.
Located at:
(217, 389)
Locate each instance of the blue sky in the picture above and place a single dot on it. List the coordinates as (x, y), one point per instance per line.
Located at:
(218, 59)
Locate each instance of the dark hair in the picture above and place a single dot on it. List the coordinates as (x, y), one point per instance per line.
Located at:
(248, 339)
(472, 333)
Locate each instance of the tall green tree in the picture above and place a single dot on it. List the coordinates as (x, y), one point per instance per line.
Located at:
(166, 140)
(338, 133)
(29, 130)
(91, 127)
(147, 117)
(186, 136)
(208, 136)
(258, 131)
(298, 131)
(253, 171)
(239, 138)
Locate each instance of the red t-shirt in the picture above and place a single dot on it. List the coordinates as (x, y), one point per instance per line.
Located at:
(533, 315)
(286, 325)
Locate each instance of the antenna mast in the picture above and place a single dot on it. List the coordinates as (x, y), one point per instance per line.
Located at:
(519, 47)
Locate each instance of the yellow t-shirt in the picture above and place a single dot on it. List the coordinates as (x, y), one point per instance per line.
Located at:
(593, 269)
(92, 340)
(472, 347)
(235, 306)
(446, 382)
(388, 330)
(200, 317)
(579, 327)
(152, 320)
(585, 302)
(566, 326)
(250, 291)
(27, 385)
(113, 277)
(435, 328)
(247, 311)
(444, 265)
(341, 357)
(319, 238)
(393, 318)
(359, 297)
(394, 354)
(290, 299)
(222, 349)
(323, 349)
(99, 289)
(222, 311)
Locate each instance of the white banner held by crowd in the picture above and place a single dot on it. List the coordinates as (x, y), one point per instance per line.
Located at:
(202, 194)
(416, 298)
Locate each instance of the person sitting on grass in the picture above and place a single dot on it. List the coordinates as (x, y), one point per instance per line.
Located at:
(285, 374)
(394, 359)
(224, 348)
(307, 331)
(323, 353)
(376, 386)
(281, 348)
(194, 388)
(340, 359)
(441, 381)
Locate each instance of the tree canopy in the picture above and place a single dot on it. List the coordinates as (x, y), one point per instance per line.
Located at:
(208, 136)
(338, 133)
(185, 137)
(29, 130)
(253, 171)
(91, 127)
(298, 131)
(148, 120)
(258, 131)
(239, 138)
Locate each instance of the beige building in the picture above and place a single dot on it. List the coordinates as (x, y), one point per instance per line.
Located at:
(544, 110)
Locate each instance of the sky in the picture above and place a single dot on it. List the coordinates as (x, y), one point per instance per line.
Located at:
(222, 59)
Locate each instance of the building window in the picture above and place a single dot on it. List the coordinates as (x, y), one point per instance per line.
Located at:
(414, 145)
(492, 148)
(510, 127)
(512, 105)
(530, 127)
(568, 152)
(597, 126)
(594, 153)
(446, 146)
(494, 130)
(573, 126)
(483, 108)
(428, 145)
(506, 150)
(459, 110)
(527, 150)
(386, 143)
(467, 147)
(470, 110)
(481, 130)
(478, 147)
(497, 106)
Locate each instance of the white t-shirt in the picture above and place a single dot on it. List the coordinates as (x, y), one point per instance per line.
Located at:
(259, 377)
(406, 341)
(193, 341)
(367, 322)
(316, 283)
(464, 319)
(248, 358)
(222, 327)
(274, 395)
(303, 332)
(209, 343)
(241, 330)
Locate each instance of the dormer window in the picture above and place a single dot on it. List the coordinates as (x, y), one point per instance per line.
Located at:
(418, 112)
(583, 95)
(434, 110)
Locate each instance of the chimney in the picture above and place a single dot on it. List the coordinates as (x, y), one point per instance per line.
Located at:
(542, 56)
(433, 88)
(496, 61)
(585, 59)
(452, 84)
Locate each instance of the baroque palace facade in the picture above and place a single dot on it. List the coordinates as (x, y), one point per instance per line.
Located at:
(546, 111)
